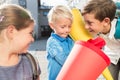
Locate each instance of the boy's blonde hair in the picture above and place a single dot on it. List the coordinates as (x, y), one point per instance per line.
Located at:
(12, 14)
(59, 11)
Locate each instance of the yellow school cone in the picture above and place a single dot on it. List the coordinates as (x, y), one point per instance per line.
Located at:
(78, 32)
(106, 73)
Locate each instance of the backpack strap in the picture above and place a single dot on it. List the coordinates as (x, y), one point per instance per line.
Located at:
(34, 65)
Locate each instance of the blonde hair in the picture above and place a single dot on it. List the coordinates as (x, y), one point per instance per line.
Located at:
(11, 14)
(59, 11)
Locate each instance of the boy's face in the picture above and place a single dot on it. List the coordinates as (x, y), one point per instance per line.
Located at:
(62, 27)
(94, 26)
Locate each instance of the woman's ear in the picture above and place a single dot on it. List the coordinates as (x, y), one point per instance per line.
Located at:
(10, 31)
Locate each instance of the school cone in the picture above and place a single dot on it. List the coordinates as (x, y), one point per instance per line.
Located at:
(78, 32)
(106, 73)
(86, 61)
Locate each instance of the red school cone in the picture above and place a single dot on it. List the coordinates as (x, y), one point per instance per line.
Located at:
(85, 62)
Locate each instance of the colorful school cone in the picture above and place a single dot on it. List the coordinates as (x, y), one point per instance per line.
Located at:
(78, 32)
(86, 61)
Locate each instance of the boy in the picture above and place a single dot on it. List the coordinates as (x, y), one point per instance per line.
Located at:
(99, 16)
(59, 43)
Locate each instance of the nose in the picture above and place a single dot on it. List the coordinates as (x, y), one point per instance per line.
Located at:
(68, 30)
(32, 39)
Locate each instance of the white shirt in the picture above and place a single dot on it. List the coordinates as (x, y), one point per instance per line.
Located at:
(112, 47)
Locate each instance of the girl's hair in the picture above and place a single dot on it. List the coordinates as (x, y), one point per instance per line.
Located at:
(59, 11)
(101, 9)
(11, 14)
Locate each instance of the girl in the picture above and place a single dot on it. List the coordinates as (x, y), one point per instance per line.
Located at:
(16, 28)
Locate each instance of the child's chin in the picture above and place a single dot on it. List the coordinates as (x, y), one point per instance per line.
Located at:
(63, 36)
(93, 34)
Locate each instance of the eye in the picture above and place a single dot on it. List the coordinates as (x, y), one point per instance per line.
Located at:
(32, 33)
(89, 23)
(62, 26)
(69, 26)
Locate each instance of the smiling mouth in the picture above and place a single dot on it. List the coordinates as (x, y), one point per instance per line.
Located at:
(90, 30)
